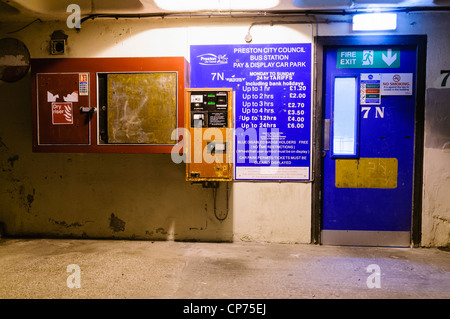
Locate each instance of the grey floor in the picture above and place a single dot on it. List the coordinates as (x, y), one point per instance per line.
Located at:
(105, 269)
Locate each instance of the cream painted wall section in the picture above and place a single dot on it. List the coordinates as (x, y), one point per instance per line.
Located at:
(436, 201)
(141, 196)
(436, 175)
(272, 212)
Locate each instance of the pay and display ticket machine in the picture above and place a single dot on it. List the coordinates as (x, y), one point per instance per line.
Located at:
(209, 146)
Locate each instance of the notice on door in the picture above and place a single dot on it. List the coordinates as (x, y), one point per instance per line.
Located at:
(83, 83)
(396, 83)
(370, 89)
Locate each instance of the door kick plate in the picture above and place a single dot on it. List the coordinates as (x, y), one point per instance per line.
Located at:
(366, 173)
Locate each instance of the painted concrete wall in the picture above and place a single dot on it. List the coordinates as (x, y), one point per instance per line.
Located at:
(145, 196)
(141, 196)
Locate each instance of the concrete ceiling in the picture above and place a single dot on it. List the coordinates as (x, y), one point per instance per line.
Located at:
(17, 10)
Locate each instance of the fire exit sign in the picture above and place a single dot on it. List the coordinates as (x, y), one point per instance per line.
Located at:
(349, 58)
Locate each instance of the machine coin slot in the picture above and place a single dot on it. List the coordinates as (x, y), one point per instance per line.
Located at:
(216, 147)
(198, 120)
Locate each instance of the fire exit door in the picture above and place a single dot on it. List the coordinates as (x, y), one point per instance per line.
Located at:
(368, 144)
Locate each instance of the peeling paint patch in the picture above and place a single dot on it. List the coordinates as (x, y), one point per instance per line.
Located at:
(116, 224)
(13, 159)
(30, 198)
(64, 224)
(12, 60)
(161, 230)
(3, 145)
(19, 193)
(442, 219)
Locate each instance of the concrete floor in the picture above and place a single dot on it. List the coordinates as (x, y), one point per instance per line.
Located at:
(37, 269)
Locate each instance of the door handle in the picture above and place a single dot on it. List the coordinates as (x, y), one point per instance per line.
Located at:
(326, 135)
(87, 109)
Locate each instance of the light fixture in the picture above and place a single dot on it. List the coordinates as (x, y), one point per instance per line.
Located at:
(215, 5)
(58, 42)
(374, 21)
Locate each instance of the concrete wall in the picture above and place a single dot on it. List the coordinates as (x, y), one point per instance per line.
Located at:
(145, 196)
(141, 196)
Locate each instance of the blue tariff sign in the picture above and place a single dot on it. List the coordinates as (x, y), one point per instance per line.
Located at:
(272, 85)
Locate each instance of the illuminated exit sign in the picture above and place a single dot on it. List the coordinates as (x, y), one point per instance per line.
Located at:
(349, 58)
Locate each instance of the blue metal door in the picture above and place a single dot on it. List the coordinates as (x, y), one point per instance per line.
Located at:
(368, 155)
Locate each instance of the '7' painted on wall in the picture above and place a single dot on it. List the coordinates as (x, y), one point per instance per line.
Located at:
(444, 80)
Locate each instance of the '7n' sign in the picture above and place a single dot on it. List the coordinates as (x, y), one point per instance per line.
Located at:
(360, 58)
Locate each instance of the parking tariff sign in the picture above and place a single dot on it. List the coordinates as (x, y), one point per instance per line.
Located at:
(272, 85)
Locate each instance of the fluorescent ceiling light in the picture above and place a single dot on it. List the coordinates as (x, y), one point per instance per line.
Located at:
(374, 21)
(215, 5)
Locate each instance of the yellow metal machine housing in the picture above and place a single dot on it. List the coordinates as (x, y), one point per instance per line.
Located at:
(209, 146)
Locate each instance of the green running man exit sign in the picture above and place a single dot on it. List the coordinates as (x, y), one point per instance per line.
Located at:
(349, 58)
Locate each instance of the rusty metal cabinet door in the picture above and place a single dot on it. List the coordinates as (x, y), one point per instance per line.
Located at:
(59, 119)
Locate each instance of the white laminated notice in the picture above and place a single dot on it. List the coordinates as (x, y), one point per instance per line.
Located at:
(396, 83)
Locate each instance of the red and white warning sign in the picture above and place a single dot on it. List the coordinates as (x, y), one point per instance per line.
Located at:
(83, 83)
(62, 113)
(396, 83)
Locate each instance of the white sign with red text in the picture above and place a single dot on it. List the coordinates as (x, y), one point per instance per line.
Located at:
(396, 83)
